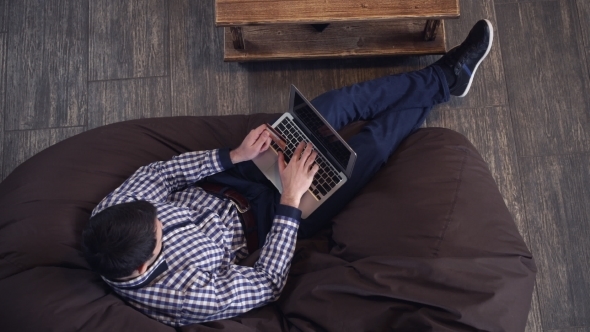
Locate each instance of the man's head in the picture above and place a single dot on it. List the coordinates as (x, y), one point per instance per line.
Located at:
(123, 240)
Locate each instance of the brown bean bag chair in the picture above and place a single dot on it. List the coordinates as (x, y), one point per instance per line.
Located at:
(428, 245)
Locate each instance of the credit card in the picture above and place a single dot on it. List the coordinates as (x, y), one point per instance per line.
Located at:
(276, 137)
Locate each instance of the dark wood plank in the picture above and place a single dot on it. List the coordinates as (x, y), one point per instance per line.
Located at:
(584, 17)
(245, 12)
(546, 77)
(269, 82)
(47, 64)
(338, 40)
(489, 86)
(202, 84)
(490, 131)
(573, 329)
(128, 39)
(21, 145)
(120, 100)
(555, 193)
(3, 41)
(4, 15)
(534, 322)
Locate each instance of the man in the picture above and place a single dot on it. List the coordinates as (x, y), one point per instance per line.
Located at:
(170, 249)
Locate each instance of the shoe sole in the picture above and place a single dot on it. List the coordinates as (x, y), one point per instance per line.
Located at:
(480, 60)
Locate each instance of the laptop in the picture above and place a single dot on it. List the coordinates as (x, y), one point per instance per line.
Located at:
(335, 157)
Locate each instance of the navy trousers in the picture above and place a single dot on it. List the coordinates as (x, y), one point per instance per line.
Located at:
(395, 106)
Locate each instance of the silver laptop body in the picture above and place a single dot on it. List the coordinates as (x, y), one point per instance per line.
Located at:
(335, 157)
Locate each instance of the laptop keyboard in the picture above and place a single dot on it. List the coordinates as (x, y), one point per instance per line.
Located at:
(327, 176)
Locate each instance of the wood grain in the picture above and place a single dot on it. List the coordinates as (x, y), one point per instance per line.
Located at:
(248, 12)
(201, 83)
(120, 100)
(556, 189)
(489, 86)
(338, 40)
(534, 322)
(3, 41)
(47, 64)
(269, 82)
(128, 39)
(4, 15)
(546, 77)
(23, 144)
(490, 131)
(584, 18)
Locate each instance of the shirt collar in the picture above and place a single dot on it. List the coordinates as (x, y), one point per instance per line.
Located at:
(143, 280)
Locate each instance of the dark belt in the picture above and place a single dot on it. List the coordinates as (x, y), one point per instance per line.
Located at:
(243, 206)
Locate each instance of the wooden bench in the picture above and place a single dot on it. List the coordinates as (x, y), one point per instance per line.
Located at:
(312, 29)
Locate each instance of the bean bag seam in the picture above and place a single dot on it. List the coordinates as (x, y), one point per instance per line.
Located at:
(455, 199)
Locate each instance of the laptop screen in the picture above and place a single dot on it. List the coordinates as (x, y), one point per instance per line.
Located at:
(322, 132)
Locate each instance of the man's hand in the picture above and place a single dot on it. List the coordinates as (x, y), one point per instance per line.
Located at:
(298, 174)
(256, 142)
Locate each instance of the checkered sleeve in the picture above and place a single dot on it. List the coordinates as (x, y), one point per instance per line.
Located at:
(157, 180)
(236, 289)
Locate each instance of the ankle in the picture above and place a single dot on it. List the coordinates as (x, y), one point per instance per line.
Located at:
(448, 73)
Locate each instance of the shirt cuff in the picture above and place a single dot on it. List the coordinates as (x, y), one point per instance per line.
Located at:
(224, 158)
(289, 212)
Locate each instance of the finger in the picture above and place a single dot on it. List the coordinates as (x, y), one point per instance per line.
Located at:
(258, 130)
(313, 155)
(314, 169)
(307, 152)
(281, 162)
(298, 151)
(258, 142)
(255, 134)
(309, 161)
(265, 145)
(261, 139)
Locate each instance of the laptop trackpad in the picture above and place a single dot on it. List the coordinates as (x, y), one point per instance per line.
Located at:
(268, 164)
(272, 173)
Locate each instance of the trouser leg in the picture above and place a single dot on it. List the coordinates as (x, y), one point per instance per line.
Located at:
(396, 106)
(367, 100)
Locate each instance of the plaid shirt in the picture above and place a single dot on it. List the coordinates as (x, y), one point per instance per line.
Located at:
(195, 278)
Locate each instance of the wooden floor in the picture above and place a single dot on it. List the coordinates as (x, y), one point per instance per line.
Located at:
(68, 66)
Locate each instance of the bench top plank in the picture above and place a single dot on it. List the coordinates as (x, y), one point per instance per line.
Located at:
(251, 12)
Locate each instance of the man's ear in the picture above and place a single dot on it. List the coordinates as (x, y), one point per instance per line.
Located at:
(142, 268)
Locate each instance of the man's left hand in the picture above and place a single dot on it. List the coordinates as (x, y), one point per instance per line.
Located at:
(256, 142)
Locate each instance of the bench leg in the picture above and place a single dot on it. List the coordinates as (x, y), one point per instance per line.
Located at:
(430, 29)
(238, 39)
(320, 27)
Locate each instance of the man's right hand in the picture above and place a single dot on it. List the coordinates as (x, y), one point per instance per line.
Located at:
(256, 142)
(297, 176)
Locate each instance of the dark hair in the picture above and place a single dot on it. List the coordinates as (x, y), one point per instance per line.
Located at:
(117, 240)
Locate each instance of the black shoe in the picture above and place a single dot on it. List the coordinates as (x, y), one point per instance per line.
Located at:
(461, 62)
